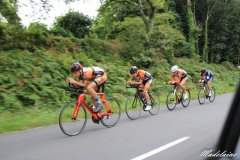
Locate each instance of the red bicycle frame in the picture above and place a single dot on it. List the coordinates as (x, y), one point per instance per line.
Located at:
(97, 115)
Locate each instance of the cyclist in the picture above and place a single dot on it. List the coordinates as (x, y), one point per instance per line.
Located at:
(206, 77)
(180, 77)
(90, 78)
(145, 83)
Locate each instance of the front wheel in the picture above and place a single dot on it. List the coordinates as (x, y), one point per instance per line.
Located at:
(155, 103)
(201, 96)
(70, 125)
(111, 112)
(213, 94)
(133, 107)
(171, 100)
(185, 102)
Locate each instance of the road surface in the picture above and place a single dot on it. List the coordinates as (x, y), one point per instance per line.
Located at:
(182, 134)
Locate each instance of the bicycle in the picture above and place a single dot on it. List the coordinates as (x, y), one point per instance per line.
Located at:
(73, 115)
(203, 94)
(134, 103)
(174, 98)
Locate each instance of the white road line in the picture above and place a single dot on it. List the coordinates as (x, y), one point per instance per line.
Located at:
(155, 151)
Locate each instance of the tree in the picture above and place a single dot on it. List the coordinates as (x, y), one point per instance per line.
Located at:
(185, 9)
(146, 9)
(8, 9)
(224, 32)
(204, 12)
(77, 23)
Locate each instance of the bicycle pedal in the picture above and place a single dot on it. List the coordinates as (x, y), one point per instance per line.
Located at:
(95, 120)
(73, 118)
(144, 106)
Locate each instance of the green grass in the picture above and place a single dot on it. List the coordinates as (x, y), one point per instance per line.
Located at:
(25, 119)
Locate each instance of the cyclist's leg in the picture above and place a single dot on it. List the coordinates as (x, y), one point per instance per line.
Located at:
(145, 91)
(181, 84)
(183, 81)
(93, 87)
(209, 85)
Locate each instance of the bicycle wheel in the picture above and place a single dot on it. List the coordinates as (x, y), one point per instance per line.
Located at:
(72, 126)
(212, 98)
(186, 102)
(201, 96)
(155, 103)
(133, 107)
(113, 109)
(171, 100)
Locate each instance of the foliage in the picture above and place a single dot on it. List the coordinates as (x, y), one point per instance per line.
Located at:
(171, 42)
(75, 22)
(8, 9)
(38, 34)
(168, 18)
(34, 86)
(59, 31)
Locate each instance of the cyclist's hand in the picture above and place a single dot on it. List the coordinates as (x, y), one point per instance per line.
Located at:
(70, 80)
(172, 82)
(130, 83)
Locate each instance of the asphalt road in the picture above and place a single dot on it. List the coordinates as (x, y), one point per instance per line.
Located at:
(182, 134)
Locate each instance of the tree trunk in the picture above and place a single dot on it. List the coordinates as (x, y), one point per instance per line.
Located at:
(191, 26)
(205, 45)
(196, 29)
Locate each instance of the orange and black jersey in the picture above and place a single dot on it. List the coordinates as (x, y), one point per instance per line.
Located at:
(89, 73)
(179, 76)
(144, 75)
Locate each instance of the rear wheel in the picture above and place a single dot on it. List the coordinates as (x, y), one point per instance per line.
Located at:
(185, 102)
(171, 100)
(201, 96)
(133, 107)
(113, 109)
(69, 125)
(155, 103)
(213, 94)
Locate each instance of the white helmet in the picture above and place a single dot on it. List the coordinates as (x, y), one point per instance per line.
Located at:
(174, 68)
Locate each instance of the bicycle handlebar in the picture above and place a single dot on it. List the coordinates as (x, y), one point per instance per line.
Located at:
(174, 84)
(75, 89)
(132, 86)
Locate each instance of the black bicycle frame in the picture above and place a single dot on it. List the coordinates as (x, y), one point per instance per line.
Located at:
(142, 98)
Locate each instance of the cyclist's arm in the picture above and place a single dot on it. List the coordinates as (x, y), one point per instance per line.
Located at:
(172, 80)
(201, 78)
(135, 83)
(78, 84)
(74, 82)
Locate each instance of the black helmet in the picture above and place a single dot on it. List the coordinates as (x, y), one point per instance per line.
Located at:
(133, 69)
(76, 67)
(203, 70)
